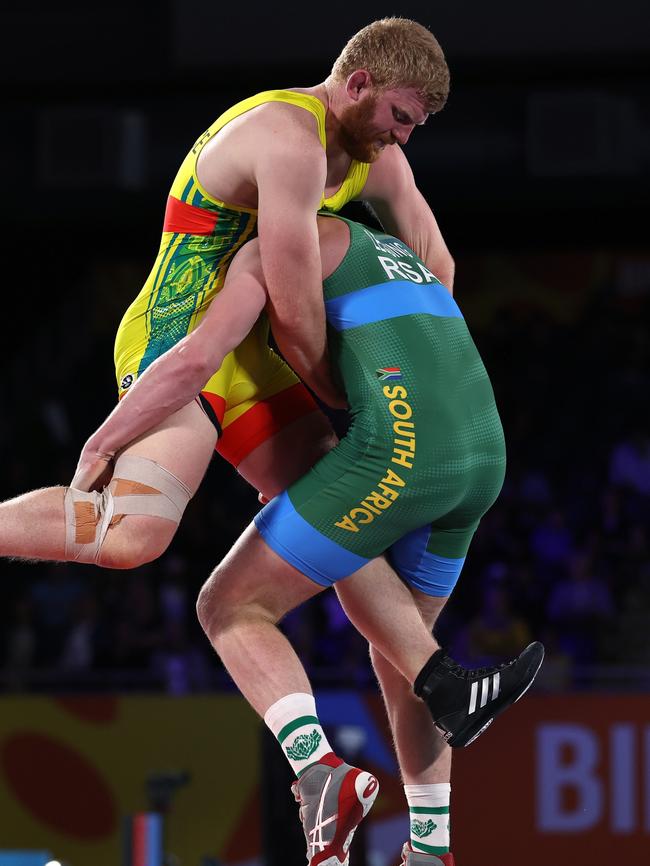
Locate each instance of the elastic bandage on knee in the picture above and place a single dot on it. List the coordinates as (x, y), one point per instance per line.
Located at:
(139, 486)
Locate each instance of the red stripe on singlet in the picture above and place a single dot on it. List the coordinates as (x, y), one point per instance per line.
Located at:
(264, 420)
(187, 219)
(217, 404)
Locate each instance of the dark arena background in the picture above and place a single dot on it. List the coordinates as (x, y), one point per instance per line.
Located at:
(117, 722)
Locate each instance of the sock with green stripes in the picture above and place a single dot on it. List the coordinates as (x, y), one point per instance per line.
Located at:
(429, 817)
(294, 723)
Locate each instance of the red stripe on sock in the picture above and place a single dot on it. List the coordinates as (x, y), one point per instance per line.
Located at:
(331, 760)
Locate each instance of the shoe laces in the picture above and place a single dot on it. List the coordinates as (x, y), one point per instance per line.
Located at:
(473, 673)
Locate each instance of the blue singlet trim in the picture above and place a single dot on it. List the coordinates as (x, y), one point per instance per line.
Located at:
(432, 574)
(388, 301)
(296, 541)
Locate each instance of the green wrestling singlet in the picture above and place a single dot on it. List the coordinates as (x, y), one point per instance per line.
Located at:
(424, 457)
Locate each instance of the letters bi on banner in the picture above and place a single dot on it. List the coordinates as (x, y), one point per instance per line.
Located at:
(608, 778)
(563, 777)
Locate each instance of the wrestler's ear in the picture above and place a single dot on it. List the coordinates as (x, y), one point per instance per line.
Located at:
(358, 82)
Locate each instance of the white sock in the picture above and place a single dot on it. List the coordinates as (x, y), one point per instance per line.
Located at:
(294, 723)
(429, 817)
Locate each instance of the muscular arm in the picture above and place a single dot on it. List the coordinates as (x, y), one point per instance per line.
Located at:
(403, 212)
(290, 176)
(175, 378)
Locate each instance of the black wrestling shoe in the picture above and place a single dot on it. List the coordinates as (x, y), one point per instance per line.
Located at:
(463, 702)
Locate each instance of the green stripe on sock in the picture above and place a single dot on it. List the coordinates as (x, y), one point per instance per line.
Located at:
(429, 810)
(429, 849)
(297, 723)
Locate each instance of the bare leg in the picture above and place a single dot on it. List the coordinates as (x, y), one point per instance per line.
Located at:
(285, 457)
(253, 588)
(424, 757)
(239, 607)
(32, 526)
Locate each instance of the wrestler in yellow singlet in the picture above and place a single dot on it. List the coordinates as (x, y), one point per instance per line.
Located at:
(254, 394)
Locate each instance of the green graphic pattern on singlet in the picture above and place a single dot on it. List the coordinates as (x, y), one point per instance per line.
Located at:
(459, 461)
(185, 273)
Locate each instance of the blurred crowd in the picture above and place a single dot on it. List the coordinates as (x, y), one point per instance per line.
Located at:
(562, 556)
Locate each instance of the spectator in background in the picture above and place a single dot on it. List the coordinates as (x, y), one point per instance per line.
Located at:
(557, 671)
(629, 464)
(173, 590)
(578, 608)
(339, 646)
(535, 490)
(78, 653)
(20, 647)
(177, 663)
(552, 545)
(54, 596)
(140, 628)
(497, 631)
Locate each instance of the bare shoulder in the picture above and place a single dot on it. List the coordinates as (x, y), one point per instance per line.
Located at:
(294, 126)
(274, 145)
(334, 237)
(267, 131)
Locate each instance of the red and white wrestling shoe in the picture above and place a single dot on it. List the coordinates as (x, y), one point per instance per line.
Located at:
(334, 798)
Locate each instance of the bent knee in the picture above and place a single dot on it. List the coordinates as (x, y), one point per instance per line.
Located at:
(224, 603)
(216, 609)
(135, 541)
(204, 607)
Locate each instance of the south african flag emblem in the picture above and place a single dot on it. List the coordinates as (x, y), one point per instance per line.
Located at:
(388, 373)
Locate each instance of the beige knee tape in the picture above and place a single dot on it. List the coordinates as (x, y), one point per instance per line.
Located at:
(138, 486)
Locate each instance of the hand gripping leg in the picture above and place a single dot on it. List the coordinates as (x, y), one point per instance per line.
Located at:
(138, 486)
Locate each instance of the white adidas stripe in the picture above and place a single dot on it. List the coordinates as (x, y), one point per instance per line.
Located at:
(495, 679)
(472, 697)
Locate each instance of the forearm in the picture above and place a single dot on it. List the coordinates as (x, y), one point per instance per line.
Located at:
(429, 244)
(297, 315)
(404, 213)
(174, 379)
(423, 236)
(167, 385)
(440, 263)
(313, 369)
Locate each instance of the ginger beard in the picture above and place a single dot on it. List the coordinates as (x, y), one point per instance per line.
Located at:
(358, 135)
